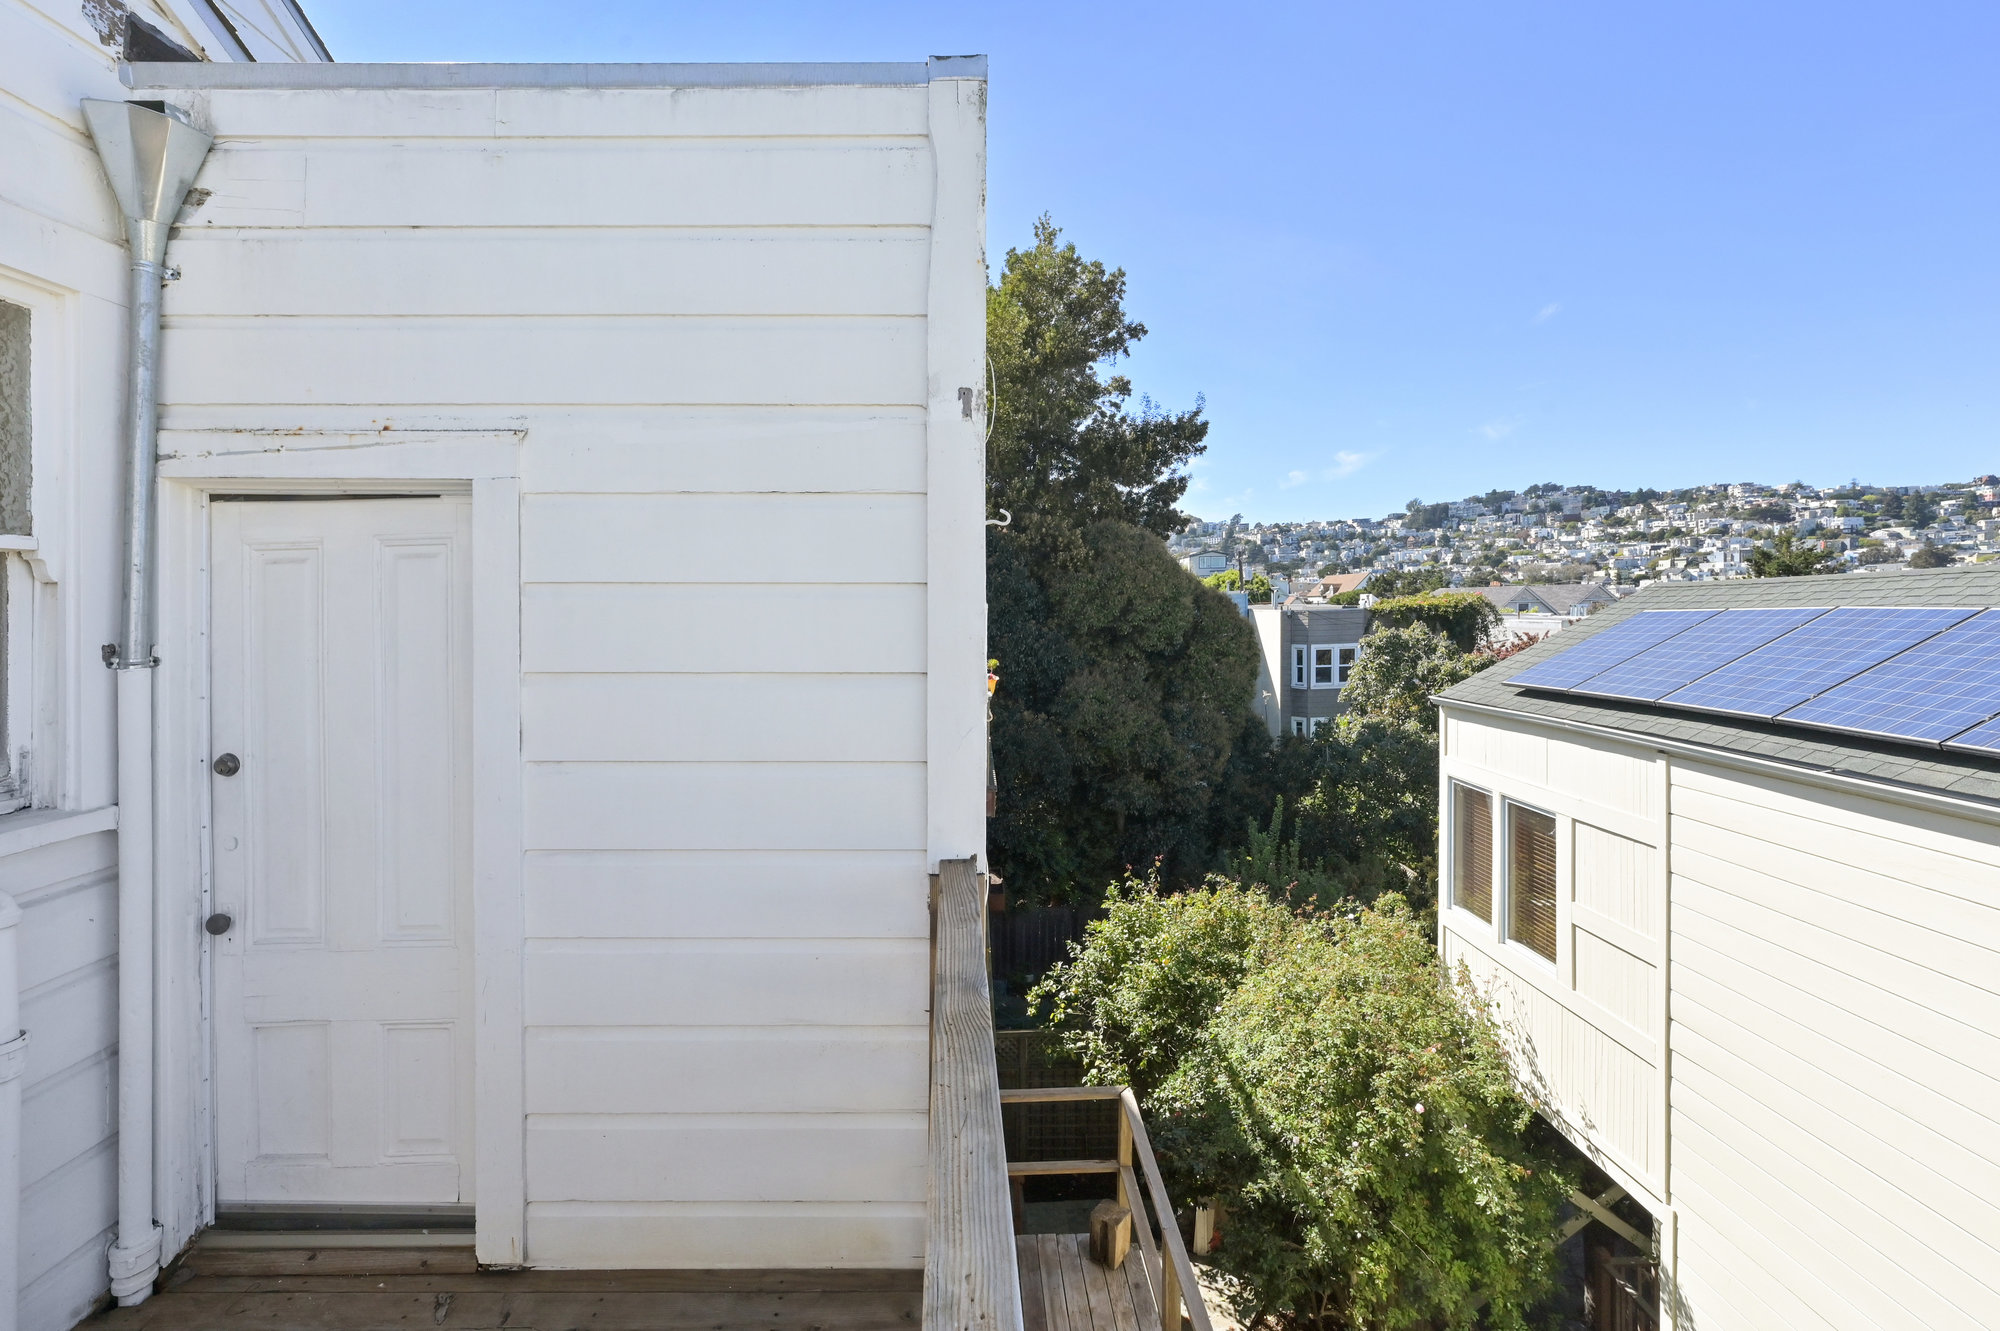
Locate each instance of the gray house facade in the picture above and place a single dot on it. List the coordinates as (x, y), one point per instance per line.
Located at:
(1306, 654)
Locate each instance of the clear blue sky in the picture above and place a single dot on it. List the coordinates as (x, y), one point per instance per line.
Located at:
(1424, 249)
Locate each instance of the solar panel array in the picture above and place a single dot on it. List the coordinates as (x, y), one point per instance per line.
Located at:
(1929, 675)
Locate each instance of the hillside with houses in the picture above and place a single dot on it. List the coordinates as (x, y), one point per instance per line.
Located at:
(1578, 533)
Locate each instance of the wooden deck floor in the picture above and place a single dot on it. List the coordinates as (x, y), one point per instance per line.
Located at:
(362, 1290)
(1063, 1290)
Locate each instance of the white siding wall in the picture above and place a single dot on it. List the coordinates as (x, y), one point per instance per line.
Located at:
(1587, 1030)
(62, 253)
(705, 308)
(1824, 1153)
(68, 943)
(1836, 1058)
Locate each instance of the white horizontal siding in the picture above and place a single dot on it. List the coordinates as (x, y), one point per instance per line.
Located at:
(727, 894)
(667, 538)
(727, 1157)
(728, 1070)
(1836, 1064)
(742, 450)
(724, 806)
(610, 113)
(704, 312)
(723, 718)
(568, 182)
(798, 629)
(69, 981)
(518, 272)
(699, 982)
(549, 360)
(723, 1235)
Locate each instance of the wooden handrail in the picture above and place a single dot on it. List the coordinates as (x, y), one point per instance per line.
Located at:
(1169, 1270)
(1024, 1168)
(1177, 1277)
(1029, 1095)
(971, 1282)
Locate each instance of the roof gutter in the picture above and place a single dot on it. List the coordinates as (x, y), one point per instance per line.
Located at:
(1828, 778)
(150, 155)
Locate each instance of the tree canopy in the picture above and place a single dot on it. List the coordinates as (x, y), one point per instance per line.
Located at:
(1125, 685)
(1786, 558)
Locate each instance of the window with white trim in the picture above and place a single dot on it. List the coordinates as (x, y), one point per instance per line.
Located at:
(1531, 879)
(17, 532)
(1325, 667)
(1345, 659)
(1308, 726)
(1299, 676)
(1472, 850)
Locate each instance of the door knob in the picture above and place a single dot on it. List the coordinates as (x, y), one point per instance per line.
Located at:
(217, 924)
(228, 765)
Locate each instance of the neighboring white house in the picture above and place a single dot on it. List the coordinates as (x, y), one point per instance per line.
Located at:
(528, 852)
(1734, 881)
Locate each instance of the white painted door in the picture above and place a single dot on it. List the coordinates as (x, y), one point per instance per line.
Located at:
(343, 1033)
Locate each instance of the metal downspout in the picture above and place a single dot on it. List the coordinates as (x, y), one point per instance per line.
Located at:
(150, 155)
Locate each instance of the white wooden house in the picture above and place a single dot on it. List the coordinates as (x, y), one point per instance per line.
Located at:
(525, 848)
(1728, 857)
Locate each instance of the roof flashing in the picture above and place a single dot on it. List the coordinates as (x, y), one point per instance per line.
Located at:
(221, 75)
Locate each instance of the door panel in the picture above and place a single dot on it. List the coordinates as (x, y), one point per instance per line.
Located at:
(342, 988)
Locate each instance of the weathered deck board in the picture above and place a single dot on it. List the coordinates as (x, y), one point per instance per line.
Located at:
(1063, 1290)
(534, 1301)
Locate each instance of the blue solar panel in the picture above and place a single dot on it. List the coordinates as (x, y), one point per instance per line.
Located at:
(1838, 645)
(1689, 655)
(1986, 738)
(1933, 691)
(1601, 651)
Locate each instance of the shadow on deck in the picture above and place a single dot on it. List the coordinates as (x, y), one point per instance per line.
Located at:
(345, 1289)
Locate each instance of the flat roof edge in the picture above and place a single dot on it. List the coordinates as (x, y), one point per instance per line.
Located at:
(205, 75)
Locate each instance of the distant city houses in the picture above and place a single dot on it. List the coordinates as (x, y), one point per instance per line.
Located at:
(1572, 534)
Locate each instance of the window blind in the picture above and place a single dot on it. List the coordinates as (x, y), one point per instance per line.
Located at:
(1531, 879)
(1473, 889)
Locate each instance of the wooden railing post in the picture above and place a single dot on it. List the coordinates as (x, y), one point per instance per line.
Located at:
(971, 1282)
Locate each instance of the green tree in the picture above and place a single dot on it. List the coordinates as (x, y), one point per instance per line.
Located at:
(1929, 556)
(1347, 1103)
(1066, 450)
(1785, 557)
(1126, 685)
(1398, 671)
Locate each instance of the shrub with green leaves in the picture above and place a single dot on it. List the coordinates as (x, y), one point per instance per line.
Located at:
(1399, 670)
(1151, 973)
(1467, 618)
(1348, 1106)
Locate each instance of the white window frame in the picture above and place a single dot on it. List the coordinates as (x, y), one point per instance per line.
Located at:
(1330, 666)
(1344, 658)
(1300, 671)
(1448, 880)
(17, 698)
(1503, 871)
(29, 766)
(1305, 727)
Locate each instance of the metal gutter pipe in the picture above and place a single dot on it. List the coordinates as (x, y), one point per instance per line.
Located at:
(150, 155)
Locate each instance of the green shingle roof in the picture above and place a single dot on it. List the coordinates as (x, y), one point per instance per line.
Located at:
(1900, 764)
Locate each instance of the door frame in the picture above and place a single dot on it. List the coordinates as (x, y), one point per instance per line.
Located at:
(195, 464)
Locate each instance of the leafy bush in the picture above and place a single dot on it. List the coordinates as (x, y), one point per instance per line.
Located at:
(1467, 618)
(1348, 1106)
(1151, 973)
